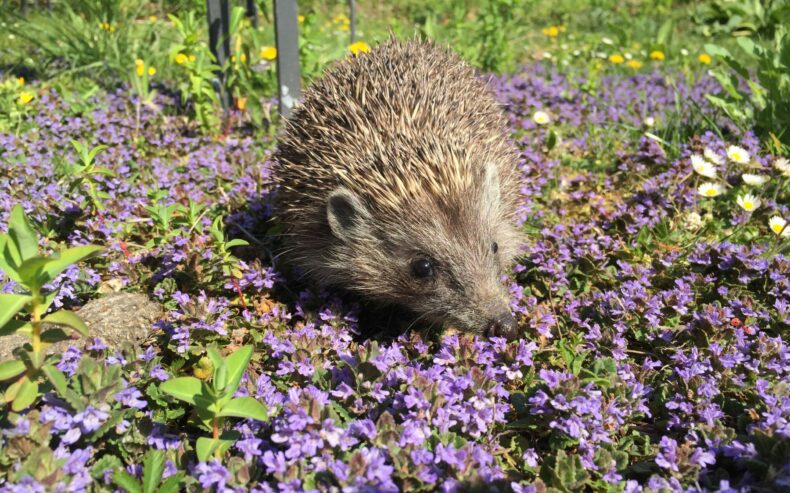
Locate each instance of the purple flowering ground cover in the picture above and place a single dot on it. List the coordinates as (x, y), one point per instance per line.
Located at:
(655, 319)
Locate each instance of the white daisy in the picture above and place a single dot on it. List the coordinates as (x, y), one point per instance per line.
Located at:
(777, 225)
(713, 157)
(783, 166)
(541, 118)
(737, 154)
(709, 189)
(703, 167)
(755, 180)
(749, 202)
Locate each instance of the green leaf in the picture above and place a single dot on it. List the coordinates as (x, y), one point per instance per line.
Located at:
(171, 484)
(126, 481)
(187, 389)
(52, 336)
(62, 261)
(11, 369)
(205, 447)
(237, 364)
(245, 407)
(30, 272)
(26, 395)
(22, 233)
(16, 326)
(10, 305)
(153, 467)
(9, 261)
(664, 31)
(69, 319)
(235, 243)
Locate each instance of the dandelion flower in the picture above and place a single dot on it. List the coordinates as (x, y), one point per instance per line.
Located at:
(269, 53)
(657, 55)
(359, 47)
(738, 155)
(20, 81)
(25, 97)
(151, 71)
(704, 58)
(782, 165)
(552, 31)
(709, 189)
(754, 180)
(777, 225)
(749, 202)
(140, 69)
(617, 59)
(300, 19)
(703, 167)
(192, 58)
(713, 157)
(152, 18)
(541, 117)
(634, 64)
(181, 58)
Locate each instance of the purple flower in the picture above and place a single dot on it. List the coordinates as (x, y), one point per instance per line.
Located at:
(212, 474)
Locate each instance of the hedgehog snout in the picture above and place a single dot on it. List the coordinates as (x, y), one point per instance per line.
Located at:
(502, 325)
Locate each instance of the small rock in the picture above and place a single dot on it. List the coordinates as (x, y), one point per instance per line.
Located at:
(115, 318)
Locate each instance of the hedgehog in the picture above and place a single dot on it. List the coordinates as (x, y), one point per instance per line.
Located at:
(397, 181)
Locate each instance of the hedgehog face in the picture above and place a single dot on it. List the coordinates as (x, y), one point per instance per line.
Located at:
(441, 258)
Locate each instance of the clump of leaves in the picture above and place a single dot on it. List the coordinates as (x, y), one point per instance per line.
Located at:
(27, 313)
(152, 481)
(769, 95)
(212, 396)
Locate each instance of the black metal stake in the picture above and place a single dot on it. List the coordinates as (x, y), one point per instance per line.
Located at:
(219, 42)
(252, 13)
(286, 29)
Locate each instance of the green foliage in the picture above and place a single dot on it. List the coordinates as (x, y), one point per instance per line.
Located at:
(213, 399)
(741, 17)
(152, 482)
(21, 262)
(97, 37)
(766, 104)
(81, 175)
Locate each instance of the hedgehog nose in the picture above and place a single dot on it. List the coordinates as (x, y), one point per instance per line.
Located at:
(503, 325)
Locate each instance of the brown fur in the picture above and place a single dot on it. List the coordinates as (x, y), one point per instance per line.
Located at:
(398, 154)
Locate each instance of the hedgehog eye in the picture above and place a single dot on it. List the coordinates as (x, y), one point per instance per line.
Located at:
(422, 268)
(494, 247)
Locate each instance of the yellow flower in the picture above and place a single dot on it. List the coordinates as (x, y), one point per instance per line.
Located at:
(300, 19)
(152, 18)
(241, 103)
(192, 58)
(140, 69)
(269, 53)
(634, 64)
(341, 19)
(704, 58)
(616, 59)
(181, 58)
(111, 28)
(20, 81)
(151, 71)
(359, 47)
(552, 31)
(657, 55)
(139, 62)
(748, 202)
(25, 97)
(243, 58)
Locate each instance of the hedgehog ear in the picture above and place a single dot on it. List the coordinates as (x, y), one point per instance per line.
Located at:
(346, 214)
